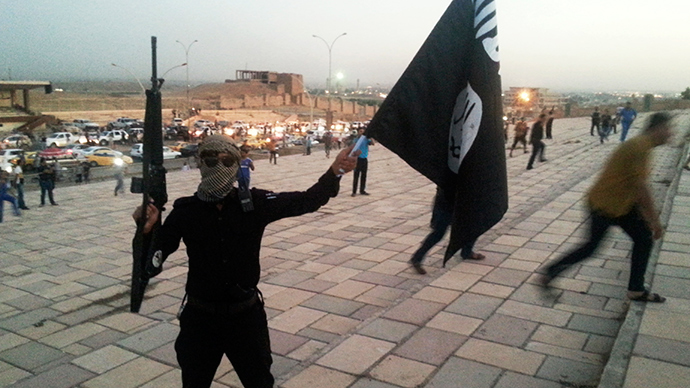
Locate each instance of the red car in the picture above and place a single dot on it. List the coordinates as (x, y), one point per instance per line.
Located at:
(57, 153)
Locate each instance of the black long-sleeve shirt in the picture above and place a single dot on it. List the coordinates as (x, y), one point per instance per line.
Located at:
(537, 133)
(223, 245)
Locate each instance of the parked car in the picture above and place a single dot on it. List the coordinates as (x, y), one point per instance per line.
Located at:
(136, 134)
(71, 148)
(57, 153)
(80, 123)
(137, 151)
(177, 122)
(203, 123)
(60, 139)
(189, 150)
(107, 158)
(83, 153)
(116, 136)
(17, 140)
(121, 123)
(10, 154)
(170, 154)
(178, 145)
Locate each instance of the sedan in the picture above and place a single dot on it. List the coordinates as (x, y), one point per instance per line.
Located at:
(56, 153)
(107, 158)
(137, 151)
(81, 154)
(189, 150)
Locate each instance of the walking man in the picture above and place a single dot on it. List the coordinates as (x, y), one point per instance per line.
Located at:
(46, 179)
(621, 196)
(362, 165)
(18, 183)
(441, 218)
(596, 120)
(628, 115)
(538, 146)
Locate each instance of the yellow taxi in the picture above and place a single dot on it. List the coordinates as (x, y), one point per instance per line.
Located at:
(178, 145)
(107, 158)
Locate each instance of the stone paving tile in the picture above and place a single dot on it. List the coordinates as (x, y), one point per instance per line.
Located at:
(569, 372)
(414, 311)
(502, 356)
(402, 372)
(356, 354)
(295, 319)
(150, 339)
(130, 374)
(388, 330)
(430, 346)
(104, 359)
(71, 335)
(333, 304)
(506, 330)
(652, 373)
(30, 356)
(458, 372)
(63, 376)
(316, 376)
(514, 380)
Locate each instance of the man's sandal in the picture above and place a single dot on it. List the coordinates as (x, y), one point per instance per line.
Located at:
(648, 297)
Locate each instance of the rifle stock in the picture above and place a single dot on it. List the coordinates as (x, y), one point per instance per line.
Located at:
(151, 185)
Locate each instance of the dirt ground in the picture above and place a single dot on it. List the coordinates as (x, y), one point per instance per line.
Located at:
(102, 117)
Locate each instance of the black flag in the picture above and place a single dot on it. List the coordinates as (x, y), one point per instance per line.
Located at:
(444, 118)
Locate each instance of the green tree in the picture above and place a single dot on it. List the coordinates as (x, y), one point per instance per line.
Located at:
(686, 94)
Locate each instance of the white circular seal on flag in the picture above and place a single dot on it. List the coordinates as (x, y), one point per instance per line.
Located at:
(464, 125)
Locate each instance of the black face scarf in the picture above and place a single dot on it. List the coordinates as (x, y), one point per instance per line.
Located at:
(217, 181)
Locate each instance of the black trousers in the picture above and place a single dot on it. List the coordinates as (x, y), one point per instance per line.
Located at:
(537, 148)
(243, 338)
(634, 225)
(360, 174)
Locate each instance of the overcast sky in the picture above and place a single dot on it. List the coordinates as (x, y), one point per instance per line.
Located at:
(633, 45)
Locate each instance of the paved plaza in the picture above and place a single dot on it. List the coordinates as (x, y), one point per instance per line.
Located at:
(345, 309)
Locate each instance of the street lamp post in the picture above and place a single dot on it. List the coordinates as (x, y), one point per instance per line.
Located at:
(330, 49)
(143, 89)
(186, 56)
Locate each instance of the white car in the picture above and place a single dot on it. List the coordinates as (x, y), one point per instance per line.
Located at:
(137, 151)
(117, 135)
(83, 153)
(60, 139)
(16, 140)
(10, 154)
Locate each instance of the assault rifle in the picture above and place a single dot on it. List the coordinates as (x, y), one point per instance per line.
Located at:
(151, 185)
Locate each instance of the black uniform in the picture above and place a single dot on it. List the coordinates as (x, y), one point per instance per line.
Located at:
(536, 135)
(224, 313)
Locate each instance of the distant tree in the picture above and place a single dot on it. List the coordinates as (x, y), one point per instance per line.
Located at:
(686, 94)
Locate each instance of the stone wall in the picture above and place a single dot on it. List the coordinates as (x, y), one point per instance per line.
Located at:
(336, 104)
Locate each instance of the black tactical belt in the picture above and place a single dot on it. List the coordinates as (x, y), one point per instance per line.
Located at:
(222, 308)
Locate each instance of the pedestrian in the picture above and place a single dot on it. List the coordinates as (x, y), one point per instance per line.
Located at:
(596, 120)
(272, 150)
(621, 196)
(120, 171)
(78, 173)
(307, 144)
(360, 174)
(18, 183)
(549, 125)
(538, 146)
(46, 179)
(224, 312)
(521, 130)
(605, 126)
(5, 196)
(185, 166)
(246, 167)
(86, 171)
(441, 218)
(628, 115)
(327, 143)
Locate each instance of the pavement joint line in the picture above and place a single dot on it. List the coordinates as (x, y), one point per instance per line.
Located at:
(616, 368)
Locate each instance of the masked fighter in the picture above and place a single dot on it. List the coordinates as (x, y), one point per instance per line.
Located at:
(224, 312)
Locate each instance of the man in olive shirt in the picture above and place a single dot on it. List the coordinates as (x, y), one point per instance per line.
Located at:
(621, 196)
